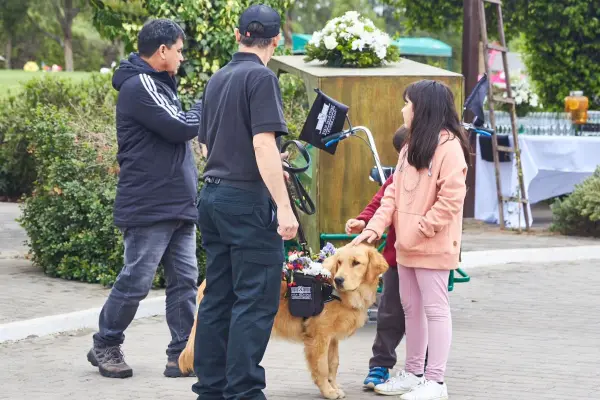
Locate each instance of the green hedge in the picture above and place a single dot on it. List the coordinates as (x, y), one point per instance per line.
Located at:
(579, 213)
(92, 97)
(58, 154)
(560, 39)
(59, 142)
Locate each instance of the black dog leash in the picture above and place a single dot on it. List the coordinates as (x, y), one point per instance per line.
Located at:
(305, 203)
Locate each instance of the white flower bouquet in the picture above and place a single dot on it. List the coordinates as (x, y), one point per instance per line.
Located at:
(526, 100)
(351, 41)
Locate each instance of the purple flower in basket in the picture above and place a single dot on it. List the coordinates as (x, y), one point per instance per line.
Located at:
(327, 251)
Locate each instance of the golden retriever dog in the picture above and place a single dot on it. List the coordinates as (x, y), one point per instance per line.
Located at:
(355, 271)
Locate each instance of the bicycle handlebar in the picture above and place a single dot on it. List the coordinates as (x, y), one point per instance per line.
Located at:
(337, 137)
(482, 131)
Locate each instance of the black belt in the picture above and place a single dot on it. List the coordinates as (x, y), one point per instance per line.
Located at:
(255, 186)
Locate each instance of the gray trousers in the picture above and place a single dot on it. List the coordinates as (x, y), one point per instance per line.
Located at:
(173, 242)
(390, 322)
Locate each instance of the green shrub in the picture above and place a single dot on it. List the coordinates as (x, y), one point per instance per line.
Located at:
(68, 217)
(295, 103)
(92, 97)
(69, 142)
(579, 213)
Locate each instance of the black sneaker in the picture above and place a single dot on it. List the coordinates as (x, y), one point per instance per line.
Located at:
(172, 369)
(110, 362)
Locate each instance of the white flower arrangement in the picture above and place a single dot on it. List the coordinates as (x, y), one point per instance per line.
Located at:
(315, 269)
(351, 41)
(523, 94)
(526, 100)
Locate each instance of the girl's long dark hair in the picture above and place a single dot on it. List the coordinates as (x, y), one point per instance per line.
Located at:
(434, 111)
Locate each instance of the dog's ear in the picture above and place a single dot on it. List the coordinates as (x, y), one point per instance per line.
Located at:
(377, 265)
(331, 264)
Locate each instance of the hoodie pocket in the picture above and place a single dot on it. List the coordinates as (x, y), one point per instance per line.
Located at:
(410, 238)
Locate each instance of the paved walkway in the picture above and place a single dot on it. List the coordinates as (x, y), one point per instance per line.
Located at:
(26, 292)
(12, 236)
(520, 332)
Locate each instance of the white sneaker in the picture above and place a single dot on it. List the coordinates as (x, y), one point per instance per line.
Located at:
(429, 390)
(402, 383)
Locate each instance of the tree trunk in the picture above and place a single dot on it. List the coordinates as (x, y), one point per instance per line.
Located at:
(8, 55)
(470, 70)
(66, 17)
(287, 29)
(121, 47)
(68, 41)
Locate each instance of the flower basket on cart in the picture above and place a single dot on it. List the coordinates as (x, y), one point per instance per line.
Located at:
(309, 285)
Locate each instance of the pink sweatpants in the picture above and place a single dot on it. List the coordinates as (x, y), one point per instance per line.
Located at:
(424, 296)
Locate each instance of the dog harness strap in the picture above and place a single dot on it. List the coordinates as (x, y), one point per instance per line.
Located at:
(333, 295)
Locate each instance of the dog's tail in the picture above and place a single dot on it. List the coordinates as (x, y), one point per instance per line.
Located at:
(186, 358)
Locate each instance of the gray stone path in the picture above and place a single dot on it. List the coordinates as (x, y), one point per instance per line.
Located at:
(523, 332)
(26, 292)
(12, 236)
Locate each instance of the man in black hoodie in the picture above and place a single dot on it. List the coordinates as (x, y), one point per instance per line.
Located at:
(155, 206)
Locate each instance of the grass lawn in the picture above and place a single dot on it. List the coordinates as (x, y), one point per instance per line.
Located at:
(11, 80)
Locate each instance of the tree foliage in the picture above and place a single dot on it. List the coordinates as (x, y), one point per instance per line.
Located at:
(560, 39)
(13, 13)
(208, 25)
(54, 18)
(562, 49)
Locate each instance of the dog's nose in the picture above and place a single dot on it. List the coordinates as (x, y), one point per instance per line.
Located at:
(339, 282)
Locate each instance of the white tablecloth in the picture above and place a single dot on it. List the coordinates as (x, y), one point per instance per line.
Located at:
(552, 166)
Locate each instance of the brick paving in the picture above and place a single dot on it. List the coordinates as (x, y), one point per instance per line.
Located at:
(520, 332)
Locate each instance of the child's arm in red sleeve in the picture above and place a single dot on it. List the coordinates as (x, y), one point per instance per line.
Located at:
(370, 209)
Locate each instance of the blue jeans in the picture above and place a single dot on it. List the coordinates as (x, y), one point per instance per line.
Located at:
(244, 259)
(173, 242)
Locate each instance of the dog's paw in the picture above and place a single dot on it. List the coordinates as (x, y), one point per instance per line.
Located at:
(333, 394)
(341, 393)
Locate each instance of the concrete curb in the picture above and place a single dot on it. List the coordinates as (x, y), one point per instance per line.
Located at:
(71, 321)
(156, 306)
(480, 259)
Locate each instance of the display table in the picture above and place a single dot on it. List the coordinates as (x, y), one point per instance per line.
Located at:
(552, 166)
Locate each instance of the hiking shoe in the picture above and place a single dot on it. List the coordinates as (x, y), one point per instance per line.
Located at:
(172, 369)
(377, 376)
(110, 362)
(429, 390)
(404, 382)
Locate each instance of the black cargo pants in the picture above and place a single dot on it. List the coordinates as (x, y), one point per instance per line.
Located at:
(238, 223)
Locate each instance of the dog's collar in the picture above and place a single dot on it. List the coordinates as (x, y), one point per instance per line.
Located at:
(335, 295)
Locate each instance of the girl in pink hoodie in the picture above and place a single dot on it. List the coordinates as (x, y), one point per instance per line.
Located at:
(425, 203)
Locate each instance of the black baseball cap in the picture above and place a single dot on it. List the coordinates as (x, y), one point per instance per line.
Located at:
(264, 15)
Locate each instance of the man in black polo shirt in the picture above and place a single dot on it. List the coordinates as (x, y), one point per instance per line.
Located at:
(244, 214)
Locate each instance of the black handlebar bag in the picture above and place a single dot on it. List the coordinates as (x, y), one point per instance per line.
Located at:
(326, 117)
(307, 297)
